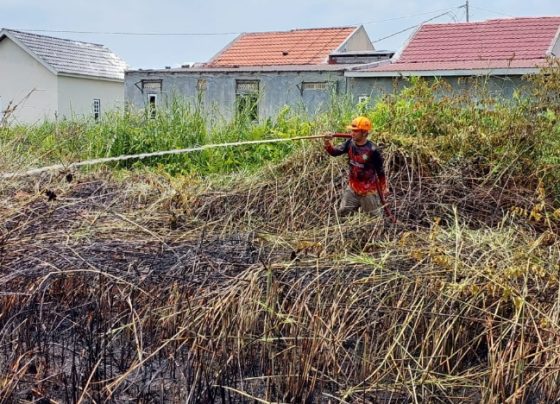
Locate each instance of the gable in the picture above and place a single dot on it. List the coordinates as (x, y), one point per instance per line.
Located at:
(26, 84)
(555, 48)
(358, 42)
(14, 58)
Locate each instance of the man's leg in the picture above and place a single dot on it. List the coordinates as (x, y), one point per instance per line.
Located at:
(371, 205)
(349, 202)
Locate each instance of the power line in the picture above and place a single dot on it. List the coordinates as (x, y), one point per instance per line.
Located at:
(411, 27)
(406, 16)
(453, 16)
(125, 33)
(134, 33)
(490, 11)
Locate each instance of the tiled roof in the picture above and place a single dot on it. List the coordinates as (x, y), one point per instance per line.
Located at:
(295, 47)
(66, 56)
(493, 44)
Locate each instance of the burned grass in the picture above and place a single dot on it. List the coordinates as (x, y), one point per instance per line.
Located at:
(159, 289)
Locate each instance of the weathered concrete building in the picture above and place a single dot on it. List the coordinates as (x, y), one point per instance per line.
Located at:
(261, 73)
(497, 52)
(45, 78)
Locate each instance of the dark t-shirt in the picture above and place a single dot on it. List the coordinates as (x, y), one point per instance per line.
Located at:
(366, 165)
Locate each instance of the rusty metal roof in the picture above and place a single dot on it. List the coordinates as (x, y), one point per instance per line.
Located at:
(69, 57)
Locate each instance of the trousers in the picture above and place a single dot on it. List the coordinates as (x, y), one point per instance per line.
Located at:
(351, 202)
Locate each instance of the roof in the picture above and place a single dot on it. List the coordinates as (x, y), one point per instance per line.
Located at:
(295, 47)
(68, 57)
(500, 44)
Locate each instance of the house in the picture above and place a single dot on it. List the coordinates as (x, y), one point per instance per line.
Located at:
(499, 51)
(46, 78)
(261, 73)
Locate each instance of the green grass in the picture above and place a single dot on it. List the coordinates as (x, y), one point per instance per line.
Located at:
(520, 134)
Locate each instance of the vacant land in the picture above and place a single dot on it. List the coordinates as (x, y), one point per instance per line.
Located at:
(184, 280)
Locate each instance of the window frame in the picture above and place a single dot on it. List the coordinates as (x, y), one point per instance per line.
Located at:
(247, 96)
(151, 86)
(96, 108)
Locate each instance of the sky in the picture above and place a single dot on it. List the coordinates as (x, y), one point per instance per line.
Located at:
(155, 34)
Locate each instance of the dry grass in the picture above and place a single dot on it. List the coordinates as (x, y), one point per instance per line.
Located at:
(158, 289)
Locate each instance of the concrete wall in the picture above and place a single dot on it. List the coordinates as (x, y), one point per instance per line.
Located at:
(21, 75)
(371, 87)
(358, 42)
(276, 89)
(287, 88)
(76, 96)
(375, 87)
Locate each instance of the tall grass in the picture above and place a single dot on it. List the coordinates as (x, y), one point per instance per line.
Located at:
(178, 125)
(522, 132)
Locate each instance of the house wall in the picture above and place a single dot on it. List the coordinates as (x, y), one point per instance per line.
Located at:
(76, 96)
(27, 84)
(276, 90)
(285, 88)
(371, 87)
(375, 87)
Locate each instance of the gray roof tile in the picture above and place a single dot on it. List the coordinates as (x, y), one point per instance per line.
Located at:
(66, 56)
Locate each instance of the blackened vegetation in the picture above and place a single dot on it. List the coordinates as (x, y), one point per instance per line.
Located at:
(79, 313)
(139, 292)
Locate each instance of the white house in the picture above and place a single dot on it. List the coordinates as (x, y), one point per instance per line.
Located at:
(46, 78)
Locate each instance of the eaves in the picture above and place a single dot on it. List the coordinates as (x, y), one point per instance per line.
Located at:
(442, 73)
(90, 77)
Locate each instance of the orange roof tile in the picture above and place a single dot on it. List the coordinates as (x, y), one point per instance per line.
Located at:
(295, 47)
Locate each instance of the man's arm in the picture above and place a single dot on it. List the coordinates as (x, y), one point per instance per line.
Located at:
(336, 150)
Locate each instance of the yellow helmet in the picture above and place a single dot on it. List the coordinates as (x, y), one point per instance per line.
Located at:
(360, 123)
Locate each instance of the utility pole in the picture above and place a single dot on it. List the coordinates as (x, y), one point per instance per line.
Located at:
(467, 9)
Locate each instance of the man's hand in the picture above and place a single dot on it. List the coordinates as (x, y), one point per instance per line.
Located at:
(328, 137)
(383, 186)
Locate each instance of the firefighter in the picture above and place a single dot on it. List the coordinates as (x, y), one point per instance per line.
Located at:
(366, 175)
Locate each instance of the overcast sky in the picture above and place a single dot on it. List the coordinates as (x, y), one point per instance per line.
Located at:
(207, 26)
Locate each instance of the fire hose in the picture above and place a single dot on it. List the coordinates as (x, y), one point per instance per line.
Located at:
(66, 167)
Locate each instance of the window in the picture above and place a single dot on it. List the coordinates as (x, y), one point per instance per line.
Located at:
(315, 85)
(247, 99)
(96, 108)
(153, 85)
(152, 105)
